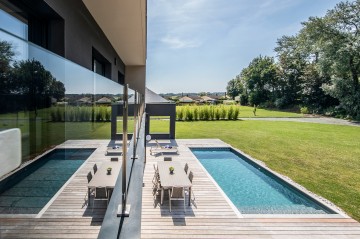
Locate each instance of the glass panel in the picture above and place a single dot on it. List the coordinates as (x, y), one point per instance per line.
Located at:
(13, 25)
(159, 124)
(52, 99)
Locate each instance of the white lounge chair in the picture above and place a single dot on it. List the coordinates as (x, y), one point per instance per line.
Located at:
(162, 149)
(116, 150)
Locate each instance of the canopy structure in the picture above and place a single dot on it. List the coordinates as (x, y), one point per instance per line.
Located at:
(155, 106)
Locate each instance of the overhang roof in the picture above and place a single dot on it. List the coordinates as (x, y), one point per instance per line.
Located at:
(124, 24)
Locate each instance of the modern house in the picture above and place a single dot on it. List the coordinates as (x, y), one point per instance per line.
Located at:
(58, 183)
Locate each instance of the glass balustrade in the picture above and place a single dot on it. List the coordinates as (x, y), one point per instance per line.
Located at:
(52, 99)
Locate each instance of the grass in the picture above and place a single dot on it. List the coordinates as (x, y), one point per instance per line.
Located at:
(247, 112)
(323, 158)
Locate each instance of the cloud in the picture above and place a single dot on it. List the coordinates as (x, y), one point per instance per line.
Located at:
(177, 43)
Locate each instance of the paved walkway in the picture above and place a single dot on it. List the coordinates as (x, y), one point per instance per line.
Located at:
(319, 120)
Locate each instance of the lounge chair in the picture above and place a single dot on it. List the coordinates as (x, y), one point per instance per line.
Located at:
(162, 149)
(116, 150)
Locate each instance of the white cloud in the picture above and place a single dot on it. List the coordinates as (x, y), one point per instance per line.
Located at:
(177, 43)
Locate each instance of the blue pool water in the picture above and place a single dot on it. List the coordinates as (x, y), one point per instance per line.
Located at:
(30, 189)
(252, 189)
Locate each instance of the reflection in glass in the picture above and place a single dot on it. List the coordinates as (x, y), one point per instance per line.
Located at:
(50, 98)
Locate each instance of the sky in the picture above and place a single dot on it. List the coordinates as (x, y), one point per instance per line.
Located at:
(200, 45)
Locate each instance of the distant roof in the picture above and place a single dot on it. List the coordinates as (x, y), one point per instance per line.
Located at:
(84, 99)
(207, 98)
(186, 99)
(104, 100)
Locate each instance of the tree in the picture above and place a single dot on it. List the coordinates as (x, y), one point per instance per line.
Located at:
(6, 56)
(335, 39)
(261, 80)
(32, 80)
(291, 66)
(234, 87)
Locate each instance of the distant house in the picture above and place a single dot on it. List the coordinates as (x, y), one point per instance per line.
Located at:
(186, 99)
(207, 99)
(84, 101)
(104, 101)
(196, 99)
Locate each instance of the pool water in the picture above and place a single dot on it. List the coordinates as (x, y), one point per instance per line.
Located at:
(252, 189)
(31, 188)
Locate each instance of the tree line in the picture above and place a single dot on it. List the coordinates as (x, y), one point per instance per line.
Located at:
(318, 68)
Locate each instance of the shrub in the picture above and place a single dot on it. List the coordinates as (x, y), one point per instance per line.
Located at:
(217, 113)
(196, 113)
(230, 113)
(304, 110)
(108, 114)
(201, 113)
(206, 112)
(211, 112)
(188, 114)
(223, 112)
(180, 113)
(236, 113)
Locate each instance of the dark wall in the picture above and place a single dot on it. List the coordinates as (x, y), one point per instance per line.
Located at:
(82, 34)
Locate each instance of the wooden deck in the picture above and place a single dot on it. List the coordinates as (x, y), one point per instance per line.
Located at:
(69, 215)
(211, 216)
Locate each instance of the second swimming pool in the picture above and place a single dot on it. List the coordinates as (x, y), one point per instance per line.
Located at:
(30, 189)
(251, 188)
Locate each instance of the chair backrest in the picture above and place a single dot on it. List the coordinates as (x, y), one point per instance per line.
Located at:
(100, 192)
(89, 177)
(155, 168)
(95, 168)
(157, 143)
(177, 192)
(186, 168)
(167, 158)
(114, 159)
(191, 176)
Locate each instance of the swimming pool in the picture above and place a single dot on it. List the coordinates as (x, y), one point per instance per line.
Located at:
(253, 189)
(30, 189)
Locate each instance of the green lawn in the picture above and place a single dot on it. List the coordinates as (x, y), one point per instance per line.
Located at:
(323, 158)
(247, 112)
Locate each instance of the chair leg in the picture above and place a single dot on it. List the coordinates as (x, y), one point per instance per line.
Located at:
(184, 203)
(169, 201)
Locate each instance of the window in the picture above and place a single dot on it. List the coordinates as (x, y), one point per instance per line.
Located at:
(100, 64)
